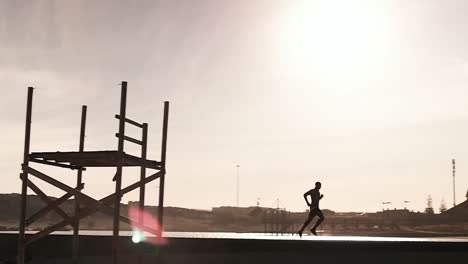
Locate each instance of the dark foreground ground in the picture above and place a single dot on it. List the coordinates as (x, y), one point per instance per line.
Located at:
(96, 249)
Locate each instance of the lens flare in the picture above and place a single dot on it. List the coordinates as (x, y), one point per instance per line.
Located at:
(143, 221)
(138, 236)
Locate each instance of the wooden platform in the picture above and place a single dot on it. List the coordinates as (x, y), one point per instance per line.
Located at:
(75, 159)
(80, 160)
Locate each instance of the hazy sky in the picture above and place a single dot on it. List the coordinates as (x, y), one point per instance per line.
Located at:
(368, 97)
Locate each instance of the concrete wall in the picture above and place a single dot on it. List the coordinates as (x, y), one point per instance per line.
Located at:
(97, 249)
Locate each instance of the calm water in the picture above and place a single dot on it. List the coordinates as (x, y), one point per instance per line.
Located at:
(263, 236)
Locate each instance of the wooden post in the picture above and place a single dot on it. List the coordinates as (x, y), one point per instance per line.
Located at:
(118, 175)
(78, 183)
(24, 188)
(163, 165)
(143, 168)
(144, 140)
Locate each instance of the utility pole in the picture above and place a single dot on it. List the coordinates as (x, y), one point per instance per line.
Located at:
(453, 175)
(237, 181)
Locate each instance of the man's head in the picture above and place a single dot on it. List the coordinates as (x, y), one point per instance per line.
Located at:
(318, 185)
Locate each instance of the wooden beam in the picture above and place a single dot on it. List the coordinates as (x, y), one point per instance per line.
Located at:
(47, 200)
(49, 207)
(74, 155)
(24, 189)
(136, 141)
(95, 159)
(135, 161)
(130, 121)
(91, 210)
(141, 202)
(60, 185)
(76, 228)
(143, 168)
(163, 164)
(118, 175)
(56, 164)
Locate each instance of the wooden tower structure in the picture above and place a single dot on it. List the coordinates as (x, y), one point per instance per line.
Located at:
(79, 161)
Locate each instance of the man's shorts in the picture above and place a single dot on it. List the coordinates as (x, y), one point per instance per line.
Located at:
(316, 212)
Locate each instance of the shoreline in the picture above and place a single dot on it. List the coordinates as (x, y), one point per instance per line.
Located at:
(400, 234)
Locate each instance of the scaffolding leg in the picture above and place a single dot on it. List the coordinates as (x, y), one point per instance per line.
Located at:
(118, 178)
(116, 224)
(21, 235)
(24, 187)
(144, 140)
(78, 183)
(163, 162)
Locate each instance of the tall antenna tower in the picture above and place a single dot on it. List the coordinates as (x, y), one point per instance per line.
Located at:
(453, 175)
(237, 183)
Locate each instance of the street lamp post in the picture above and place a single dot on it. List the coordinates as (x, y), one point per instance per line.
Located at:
(406, 202)
(237, 181)
(453, 175)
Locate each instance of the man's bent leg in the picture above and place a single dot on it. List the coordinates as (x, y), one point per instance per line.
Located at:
(306, 223)
(321, 218)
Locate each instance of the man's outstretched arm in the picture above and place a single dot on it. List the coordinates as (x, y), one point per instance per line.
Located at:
(305, 197)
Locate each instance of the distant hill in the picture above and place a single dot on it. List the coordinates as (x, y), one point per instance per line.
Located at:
(222, 219)
(252, 219)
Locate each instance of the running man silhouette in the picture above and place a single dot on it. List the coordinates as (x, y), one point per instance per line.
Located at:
(314, 209)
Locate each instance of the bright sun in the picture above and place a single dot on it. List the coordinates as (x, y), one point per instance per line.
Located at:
(335, 39)
(336, 52)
